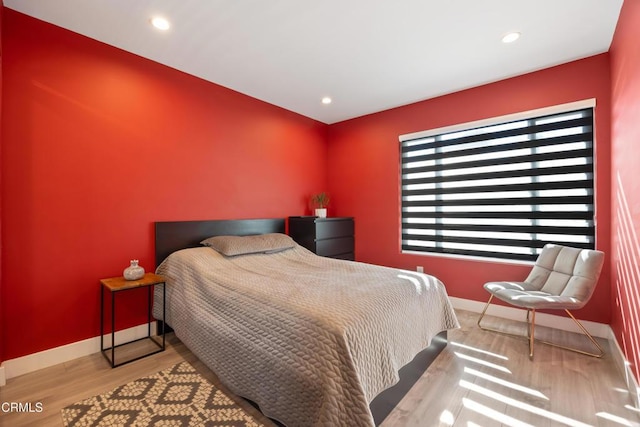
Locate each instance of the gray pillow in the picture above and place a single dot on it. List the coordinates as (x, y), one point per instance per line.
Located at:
(254, 244)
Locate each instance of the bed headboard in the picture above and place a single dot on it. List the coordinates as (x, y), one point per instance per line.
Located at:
(172, 236)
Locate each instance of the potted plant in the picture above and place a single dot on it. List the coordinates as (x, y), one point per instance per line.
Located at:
(320, 202)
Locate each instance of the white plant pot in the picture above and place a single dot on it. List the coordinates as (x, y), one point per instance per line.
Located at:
(321, 213)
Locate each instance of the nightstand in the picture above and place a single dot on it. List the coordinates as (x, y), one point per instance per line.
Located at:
(330, 237)
(116, 285)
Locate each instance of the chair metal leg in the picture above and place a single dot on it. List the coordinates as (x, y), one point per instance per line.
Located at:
(531, 333)
(585, 333)
(485, 328)
(483, 312)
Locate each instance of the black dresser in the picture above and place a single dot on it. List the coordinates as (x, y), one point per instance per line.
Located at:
(330, 237)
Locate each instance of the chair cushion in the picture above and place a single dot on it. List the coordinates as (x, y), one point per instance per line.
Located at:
(493, 287)
(557, 267)
(523, 294)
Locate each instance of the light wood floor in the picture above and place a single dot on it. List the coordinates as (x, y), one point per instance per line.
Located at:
(480, 379)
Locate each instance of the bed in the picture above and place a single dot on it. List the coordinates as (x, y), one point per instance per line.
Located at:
(311, 340)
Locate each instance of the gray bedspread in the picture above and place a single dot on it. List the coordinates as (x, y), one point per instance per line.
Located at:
(311, 340)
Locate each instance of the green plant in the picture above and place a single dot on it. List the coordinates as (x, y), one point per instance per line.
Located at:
(320, 200)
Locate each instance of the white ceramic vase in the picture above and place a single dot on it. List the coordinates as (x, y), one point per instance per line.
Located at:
(321, 212)
(134, 271)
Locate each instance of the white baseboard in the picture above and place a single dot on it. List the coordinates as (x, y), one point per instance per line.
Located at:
(599, 330)
(32, 362)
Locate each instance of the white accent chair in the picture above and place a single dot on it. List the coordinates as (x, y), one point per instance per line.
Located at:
(562, 278)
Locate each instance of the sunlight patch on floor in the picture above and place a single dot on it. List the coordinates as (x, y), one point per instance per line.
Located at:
(488, 353)
(447, 418)
(615, 419)
(521, 405)
(482, 362)
(505, 383)
(493, 414)
(632, 408)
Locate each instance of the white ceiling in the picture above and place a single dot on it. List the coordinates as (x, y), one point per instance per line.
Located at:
(368, 55)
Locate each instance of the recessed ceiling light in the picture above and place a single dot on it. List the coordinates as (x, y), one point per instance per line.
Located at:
(160, 23)
(326, 100)
(510, 37)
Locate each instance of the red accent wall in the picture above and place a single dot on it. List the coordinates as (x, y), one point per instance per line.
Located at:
(625, 184)
(364, 170)
(97, 145)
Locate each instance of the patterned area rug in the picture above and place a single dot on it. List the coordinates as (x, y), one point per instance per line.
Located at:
(177, 396)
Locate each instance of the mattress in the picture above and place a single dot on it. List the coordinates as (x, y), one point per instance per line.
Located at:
(311, 340)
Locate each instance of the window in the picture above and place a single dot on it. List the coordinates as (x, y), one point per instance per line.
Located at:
(500, 190)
